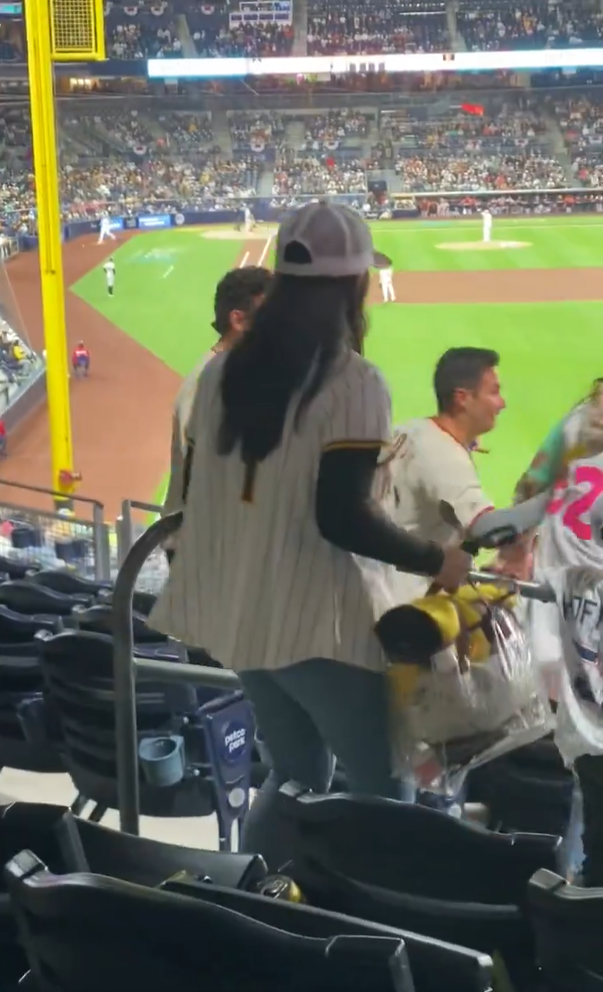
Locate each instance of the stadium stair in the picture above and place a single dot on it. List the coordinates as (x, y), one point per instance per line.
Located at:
(555, 145)
(184, 36)
(457, 42)
(266, 181)
(222, 135)
(295, 134)
(300, 28)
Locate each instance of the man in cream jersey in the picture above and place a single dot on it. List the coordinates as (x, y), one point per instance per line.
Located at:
(238, 295)
(430, 461)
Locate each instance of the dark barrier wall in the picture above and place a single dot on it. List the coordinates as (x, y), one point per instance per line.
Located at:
(25, 401)
(406, 206)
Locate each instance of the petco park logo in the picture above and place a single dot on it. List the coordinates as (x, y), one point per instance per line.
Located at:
(235, 739)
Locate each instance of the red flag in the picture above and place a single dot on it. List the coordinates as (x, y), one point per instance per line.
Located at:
(475, 109)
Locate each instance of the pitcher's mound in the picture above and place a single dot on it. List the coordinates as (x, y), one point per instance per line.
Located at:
(482, 245)
(229, 234)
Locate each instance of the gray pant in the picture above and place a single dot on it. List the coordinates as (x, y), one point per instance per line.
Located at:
(306, 714)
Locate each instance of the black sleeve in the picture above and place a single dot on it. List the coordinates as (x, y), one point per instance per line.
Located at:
(349, 517)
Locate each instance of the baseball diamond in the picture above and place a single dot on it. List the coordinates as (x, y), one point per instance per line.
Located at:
(540, 306)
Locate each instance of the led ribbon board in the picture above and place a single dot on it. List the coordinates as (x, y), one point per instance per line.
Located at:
(341, 65)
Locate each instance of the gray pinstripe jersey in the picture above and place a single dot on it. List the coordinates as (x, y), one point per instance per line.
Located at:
(253, 581)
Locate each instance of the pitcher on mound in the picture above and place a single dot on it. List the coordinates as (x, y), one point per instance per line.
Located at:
(486, 225)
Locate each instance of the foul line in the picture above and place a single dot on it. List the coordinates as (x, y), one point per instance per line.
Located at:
(243, 261)
(265, 250)
(168, 272)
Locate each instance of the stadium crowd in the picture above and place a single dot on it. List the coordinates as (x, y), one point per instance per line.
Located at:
(581, 123)
(328, 131)
(373, 28)
(529, 25)
(141, 157)
(165, 28)
(294, 176)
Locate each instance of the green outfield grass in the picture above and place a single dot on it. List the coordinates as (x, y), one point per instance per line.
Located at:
(550, 352)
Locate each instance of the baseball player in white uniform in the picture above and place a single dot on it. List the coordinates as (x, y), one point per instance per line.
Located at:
(386, 281)
(249, 220)
(109, 270)
(269, 534)
(486, 225)
(105, 230)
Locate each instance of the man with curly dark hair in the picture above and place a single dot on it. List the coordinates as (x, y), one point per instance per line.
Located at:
(237, 297)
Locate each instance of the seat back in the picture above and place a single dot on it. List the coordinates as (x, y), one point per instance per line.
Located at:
(41, 827)
(16, 569)
(95, 933)
(435, 965)
(529, 790)
(78, 669)
(65, 581)
(206, 775)
(376, 841)
(382, 860)
(98, 619)
(568, 922)
(27, 597)
(19, 627)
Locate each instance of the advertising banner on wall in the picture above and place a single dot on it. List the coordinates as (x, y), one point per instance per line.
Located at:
(146, 221)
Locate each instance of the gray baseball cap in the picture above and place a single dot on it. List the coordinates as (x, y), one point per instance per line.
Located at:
(326, 239)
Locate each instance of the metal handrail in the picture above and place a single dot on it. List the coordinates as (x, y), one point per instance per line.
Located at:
(543, 592)
(126, 525)
(127, 668)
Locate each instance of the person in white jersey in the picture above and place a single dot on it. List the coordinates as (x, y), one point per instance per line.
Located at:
(386, 281)
(105, 229)
(109, 270)
(249, 219)
(430, 459)
(284, 440)
(486, 225)
(571, 460)
(237, 297)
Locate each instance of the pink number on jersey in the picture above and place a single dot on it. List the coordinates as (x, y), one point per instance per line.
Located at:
(585, 475)
(558, 497)
(593, 477)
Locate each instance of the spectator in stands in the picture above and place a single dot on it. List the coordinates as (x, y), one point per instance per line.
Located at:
(352, 28)
(284, 441)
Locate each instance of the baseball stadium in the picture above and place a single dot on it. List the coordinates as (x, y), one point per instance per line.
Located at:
(373, 711)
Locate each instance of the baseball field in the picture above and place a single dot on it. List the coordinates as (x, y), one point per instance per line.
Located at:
(535, 294)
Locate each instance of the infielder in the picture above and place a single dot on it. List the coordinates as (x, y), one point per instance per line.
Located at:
(386, 281)
(105, 230)
(109, 270)
(486, 225)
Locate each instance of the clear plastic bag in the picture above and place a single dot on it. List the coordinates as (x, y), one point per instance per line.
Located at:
(579, 728)
(472, 701)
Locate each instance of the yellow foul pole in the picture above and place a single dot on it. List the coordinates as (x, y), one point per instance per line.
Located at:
(46, 168)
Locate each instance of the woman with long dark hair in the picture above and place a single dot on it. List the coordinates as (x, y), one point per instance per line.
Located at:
(276, 571)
